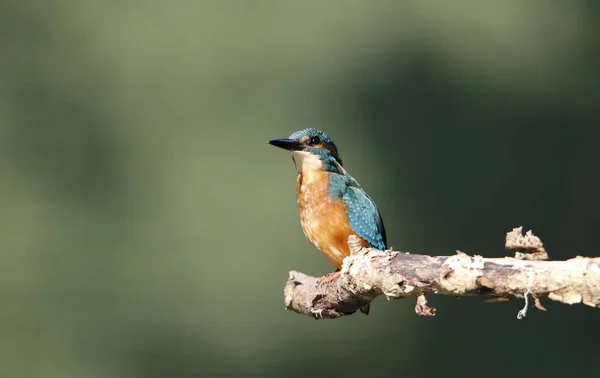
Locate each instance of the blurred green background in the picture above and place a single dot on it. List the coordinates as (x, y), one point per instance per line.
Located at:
(147, 228)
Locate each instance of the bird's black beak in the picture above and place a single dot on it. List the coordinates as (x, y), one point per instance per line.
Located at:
(286, 144)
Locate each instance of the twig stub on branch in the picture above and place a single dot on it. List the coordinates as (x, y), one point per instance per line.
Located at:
(529, 242)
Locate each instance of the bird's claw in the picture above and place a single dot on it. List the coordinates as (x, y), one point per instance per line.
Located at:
(327, 279)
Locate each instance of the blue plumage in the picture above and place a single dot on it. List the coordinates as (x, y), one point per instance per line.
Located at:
(361, 210)
(329, 156)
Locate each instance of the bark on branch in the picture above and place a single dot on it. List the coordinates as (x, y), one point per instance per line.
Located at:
(367, 273)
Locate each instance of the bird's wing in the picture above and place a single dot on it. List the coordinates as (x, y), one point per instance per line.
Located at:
(363, 215)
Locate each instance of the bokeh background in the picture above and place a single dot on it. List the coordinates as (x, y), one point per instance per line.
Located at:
(146, 228)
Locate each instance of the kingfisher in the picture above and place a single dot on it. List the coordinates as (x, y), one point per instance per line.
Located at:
(332, 204)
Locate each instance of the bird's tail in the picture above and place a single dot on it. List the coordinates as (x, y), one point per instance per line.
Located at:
(365, 309)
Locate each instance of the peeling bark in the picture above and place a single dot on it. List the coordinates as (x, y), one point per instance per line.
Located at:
(368, 273)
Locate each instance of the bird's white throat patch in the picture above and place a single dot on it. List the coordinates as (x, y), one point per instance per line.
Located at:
(305, 161)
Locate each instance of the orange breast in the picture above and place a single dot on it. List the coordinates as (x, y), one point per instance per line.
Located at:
(324, 221)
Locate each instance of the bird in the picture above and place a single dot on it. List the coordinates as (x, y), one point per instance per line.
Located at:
(331, 203)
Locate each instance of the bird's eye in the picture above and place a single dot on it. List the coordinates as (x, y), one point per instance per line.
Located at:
(313, 141)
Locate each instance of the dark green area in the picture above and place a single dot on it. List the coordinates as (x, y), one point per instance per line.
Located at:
(147, 227)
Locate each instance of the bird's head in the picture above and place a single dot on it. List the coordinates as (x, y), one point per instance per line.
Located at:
(311, 149)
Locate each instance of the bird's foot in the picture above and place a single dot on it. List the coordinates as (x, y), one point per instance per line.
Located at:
(327, 279)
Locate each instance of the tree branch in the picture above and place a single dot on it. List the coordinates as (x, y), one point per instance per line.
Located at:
(367, 273)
